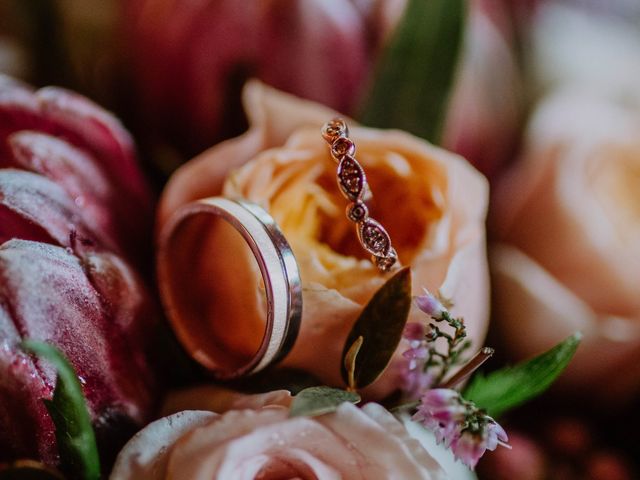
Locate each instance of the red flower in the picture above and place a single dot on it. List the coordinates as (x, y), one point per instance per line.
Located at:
(73, 206)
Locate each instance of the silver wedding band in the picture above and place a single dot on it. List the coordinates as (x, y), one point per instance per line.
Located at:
(279, 275)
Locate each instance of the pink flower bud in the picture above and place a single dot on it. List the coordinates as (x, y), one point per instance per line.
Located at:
(430, 305)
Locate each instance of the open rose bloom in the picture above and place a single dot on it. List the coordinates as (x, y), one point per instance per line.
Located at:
(432, 202)
(252, 436)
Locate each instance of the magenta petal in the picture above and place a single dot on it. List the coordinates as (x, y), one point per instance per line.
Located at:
(99, 132)
(76, 172)
(92, 132)
(34, 208)
(46, 294)
(26, 430)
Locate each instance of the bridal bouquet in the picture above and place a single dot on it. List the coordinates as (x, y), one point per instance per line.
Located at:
(282, 272)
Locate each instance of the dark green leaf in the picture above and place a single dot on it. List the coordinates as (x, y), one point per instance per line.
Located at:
(416, 72)
(74, 433)
(380, 325)
(509, 387)
(319, 400)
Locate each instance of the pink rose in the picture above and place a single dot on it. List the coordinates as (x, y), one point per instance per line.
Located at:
(432, 202)
(569, 259)
(260, 440)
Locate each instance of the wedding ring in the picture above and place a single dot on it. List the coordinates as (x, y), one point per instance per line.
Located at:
(230, 285)
(352, 182)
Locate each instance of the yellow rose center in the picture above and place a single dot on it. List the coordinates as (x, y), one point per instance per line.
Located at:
(406, 202)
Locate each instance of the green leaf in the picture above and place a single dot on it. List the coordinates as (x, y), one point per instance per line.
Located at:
(380, 325)
(509, 387)
(416, 72)
(315, 401)
(74, 433)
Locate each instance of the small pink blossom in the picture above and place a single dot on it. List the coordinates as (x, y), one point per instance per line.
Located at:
(430, 305)
(469, 446)
(414, 379)
(442, 404)
(414, 331)
(459, 424)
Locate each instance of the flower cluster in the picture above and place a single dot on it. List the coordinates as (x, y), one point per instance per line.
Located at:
(426, 364)
(459, 424)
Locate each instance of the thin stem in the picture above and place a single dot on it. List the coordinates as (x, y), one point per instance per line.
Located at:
(471, 366)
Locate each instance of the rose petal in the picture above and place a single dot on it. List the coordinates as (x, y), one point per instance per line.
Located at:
(146, 454)
(549, 312)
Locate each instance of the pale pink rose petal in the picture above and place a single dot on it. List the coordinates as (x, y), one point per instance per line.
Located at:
(146, 454)
(529, 299)
(389, 443)
(301, 442)
(348, 444)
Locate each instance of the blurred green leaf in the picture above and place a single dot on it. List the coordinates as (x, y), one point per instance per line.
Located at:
(416, 72)
(380, 325)
(320, 400)
(509, 387)
(74, 432)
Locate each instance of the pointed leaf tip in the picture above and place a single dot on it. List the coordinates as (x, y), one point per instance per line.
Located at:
(509, 387)
(380, 324)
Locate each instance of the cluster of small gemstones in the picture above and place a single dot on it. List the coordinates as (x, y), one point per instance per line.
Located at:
(352, 182)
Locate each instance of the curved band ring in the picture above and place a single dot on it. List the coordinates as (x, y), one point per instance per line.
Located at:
(220, 328)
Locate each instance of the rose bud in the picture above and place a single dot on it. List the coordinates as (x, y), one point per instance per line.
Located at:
(313, 48)
(71, 204)
(84, 149)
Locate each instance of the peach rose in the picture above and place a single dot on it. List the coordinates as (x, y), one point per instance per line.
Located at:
(257, 439)
(569, 223)
(432, 202)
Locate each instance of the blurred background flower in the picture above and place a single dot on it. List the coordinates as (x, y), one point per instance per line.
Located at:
(174, 69)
